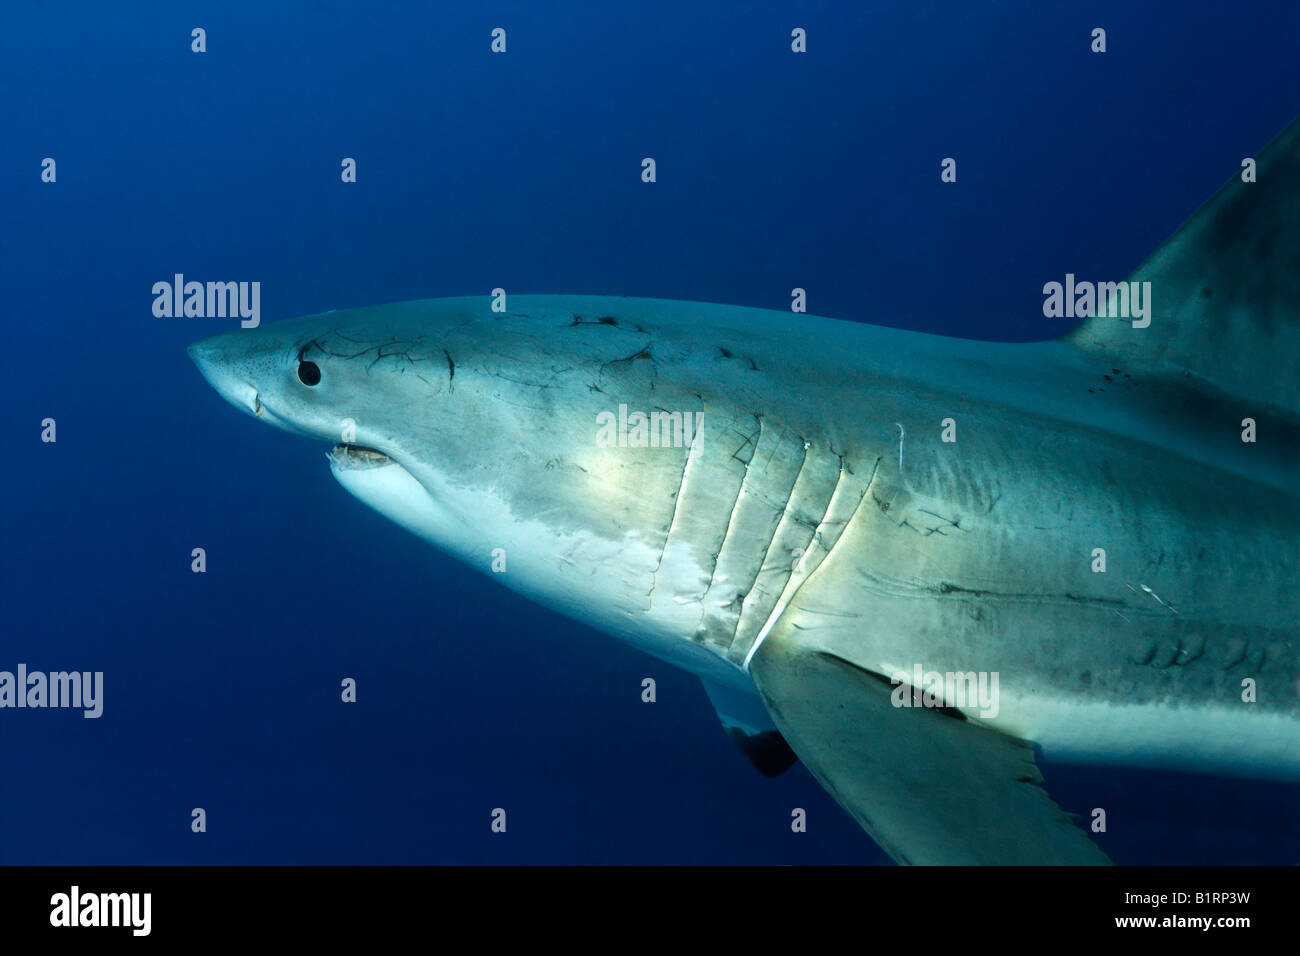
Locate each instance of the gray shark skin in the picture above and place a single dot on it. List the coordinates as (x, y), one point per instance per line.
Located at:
(818, 541)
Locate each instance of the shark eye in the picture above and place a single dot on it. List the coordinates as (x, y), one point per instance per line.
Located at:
(309, 373)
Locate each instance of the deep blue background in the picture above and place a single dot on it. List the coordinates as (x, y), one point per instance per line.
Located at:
(475, 170)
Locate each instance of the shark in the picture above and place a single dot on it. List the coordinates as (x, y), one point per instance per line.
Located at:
(913, 562)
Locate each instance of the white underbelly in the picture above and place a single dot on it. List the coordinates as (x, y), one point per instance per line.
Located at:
(604, 583)
(1213, 739)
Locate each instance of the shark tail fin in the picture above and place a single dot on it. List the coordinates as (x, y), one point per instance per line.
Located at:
(1224, 294)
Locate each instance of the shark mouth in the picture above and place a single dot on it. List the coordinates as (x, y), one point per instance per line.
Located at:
(353, 457)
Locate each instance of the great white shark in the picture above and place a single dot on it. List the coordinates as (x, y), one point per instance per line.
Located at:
(865, 525)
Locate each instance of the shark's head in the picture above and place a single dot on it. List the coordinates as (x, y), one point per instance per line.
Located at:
(480, 432)
(391, 390)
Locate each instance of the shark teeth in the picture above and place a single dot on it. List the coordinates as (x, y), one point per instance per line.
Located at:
(356, 456)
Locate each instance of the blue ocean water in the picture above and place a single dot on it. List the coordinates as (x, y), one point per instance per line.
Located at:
(522, 170)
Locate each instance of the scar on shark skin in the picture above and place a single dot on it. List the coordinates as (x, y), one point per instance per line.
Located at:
(405, 350)
(1162, 603)
(726, 353)
(641, 353)
(600, 320)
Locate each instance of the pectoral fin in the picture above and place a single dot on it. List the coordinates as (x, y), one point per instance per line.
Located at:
(750, 728)
(928, 784)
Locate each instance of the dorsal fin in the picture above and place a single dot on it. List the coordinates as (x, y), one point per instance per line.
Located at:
(1225, 291)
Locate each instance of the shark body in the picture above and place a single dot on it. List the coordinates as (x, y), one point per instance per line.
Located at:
(1080, 518)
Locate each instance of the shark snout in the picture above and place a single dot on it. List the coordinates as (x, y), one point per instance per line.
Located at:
(201, 354)
(215, 366)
